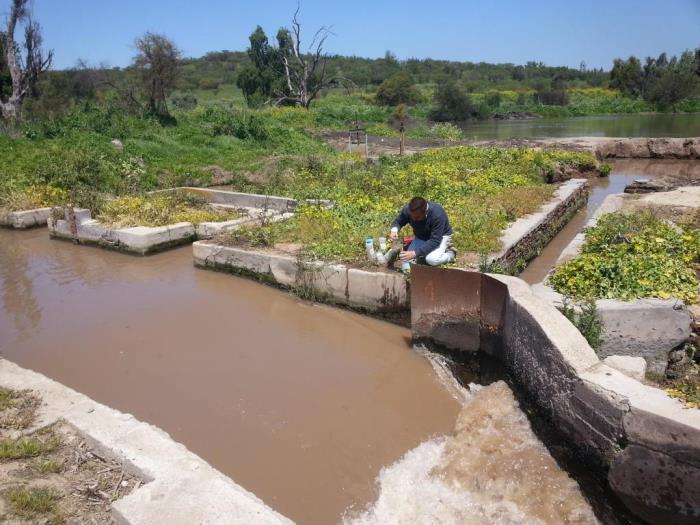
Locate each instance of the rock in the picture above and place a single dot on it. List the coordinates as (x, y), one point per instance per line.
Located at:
(694, 310)
(117, 144)
(645, 186)
(649, 328)
(678, 363)
(634, 367)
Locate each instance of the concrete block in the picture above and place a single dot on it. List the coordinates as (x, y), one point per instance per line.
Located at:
(634, 367)
(648, 328)
(26, 218)
(377, 290)
(657, 487)
(327, 279)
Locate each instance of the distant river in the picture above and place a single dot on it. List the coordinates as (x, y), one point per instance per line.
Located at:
(635, 125)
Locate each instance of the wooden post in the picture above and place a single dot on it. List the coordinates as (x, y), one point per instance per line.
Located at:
(401, 140)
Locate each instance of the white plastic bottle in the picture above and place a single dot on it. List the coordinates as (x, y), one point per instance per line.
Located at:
(369, 246)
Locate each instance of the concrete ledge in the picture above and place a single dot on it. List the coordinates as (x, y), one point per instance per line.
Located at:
(181, 487)
(632, 432)
(523, 240)
(242, 200)
(25, 219)
(335, 283)
(143, 240)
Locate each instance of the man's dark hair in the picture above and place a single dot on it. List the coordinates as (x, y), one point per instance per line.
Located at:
(417, 204)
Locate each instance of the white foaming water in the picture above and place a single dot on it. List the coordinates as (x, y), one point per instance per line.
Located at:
(492, 470)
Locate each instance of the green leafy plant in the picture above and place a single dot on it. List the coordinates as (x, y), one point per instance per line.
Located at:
(586, 319)
(630, 256)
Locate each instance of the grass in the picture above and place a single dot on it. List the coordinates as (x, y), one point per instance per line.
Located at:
(49, 466)
(7, 398)
(31, 503)
(27, 447)
(481, 189)
(161, 210)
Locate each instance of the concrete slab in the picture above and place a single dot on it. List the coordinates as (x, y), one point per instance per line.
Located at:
(334, 283)
(634, 367)
(181, 489)
(26, 218)
(648, 328)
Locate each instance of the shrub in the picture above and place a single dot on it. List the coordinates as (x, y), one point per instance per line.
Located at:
(586, 320)
(184, 101)
(397, 89)
(451, 104)
(446, 131)
(237, 123)
(631, 256)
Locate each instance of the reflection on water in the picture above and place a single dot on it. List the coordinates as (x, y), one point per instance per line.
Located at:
(637, 125)
(17, 288)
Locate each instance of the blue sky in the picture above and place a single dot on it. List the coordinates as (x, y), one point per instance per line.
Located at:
(554, 32)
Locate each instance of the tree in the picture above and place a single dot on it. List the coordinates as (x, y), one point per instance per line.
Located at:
(667, 82)
(397, 89)
(157, 64)
(626, 75)
(451, 104)
(294, 76)
(24, 69)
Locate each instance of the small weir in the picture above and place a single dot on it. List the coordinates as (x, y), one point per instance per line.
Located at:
(301, 404)
(326, 415)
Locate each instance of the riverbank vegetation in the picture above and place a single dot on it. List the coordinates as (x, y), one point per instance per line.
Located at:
(482, 191)
(632, 256)
(161, 209)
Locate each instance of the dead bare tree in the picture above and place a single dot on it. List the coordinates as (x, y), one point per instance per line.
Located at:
(304, 73)
(157, 62)
(24, 71)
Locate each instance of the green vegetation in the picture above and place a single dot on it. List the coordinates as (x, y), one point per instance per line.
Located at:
(49, 466)
(7, 398)
(688, 393)
(32, 503)
(481, 189)
(160, 210)
(586, 319)
(23, 448)
(630, 256)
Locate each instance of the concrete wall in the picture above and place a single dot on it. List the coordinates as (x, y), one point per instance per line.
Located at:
(143, 240)
(523, 240)
(646, 442)
(379, 291)
(25, 219)
(242, 200)
(180, 488)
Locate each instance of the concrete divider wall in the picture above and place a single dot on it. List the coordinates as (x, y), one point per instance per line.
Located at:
(380, 291)
(180, 487)
(26, 218)
(243, 200)
(646, 442)
(523, 240)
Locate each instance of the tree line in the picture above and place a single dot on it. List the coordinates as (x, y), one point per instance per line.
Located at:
(281, 72)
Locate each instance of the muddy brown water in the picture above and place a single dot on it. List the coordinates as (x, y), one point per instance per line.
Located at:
(300, 404)
(624, 172)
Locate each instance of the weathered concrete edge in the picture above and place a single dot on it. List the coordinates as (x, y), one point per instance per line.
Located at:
(332, 283)
(143, 240)
(25, 218)
(524, 238)
(605, 413)
(181, 487)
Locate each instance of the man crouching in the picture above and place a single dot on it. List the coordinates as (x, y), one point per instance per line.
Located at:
(431, 229)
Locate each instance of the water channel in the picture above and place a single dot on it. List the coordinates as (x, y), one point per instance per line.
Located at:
(634, 125)
(324, 414)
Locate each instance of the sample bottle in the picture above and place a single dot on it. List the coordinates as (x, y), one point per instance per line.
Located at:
(382, 244)
(369, 246)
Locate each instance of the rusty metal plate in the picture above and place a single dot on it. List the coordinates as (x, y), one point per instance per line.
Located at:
(446, 306)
